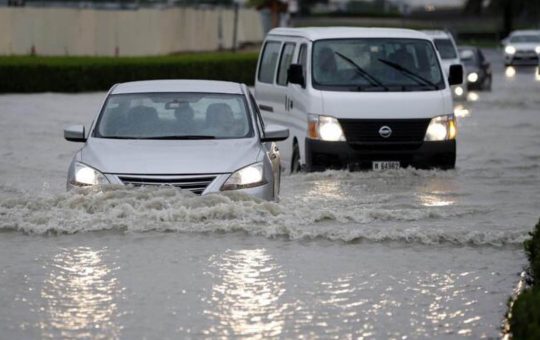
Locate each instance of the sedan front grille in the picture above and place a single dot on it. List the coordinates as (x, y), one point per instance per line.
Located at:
(194, 183)
(367, 130)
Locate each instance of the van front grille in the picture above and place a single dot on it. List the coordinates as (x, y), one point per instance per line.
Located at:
(367, 130)
(194, 183)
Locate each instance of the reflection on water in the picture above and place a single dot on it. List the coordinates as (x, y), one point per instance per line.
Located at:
(510, 72)
(327, 189)
(245, 298)
(473, 96)
(80, 295)
(461, 111)
(434, 192)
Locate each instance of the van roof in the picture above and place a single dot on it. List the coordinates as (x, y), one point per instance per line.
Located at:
(440, 34)
(318, 33)
(178, 85)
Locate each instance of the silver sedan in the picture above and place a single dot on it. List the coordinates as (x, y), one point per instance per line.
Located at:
(198, 135)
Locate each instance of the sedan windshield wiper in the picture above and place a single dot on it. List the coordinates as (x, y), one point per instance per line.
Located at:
(180, 137)
(371, 79)
(419, 79)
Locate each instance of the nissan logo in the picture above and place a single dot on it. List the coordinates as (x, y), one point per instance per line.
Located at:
(385, 131)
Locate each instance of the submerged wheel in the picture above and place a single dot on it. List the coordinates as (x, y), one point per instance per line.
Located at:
(295, 160)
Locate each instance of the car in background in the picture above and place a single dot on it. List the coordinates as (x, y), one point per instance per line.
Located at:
(477, 68)
(447, 48)
(196, 135)
(358, 98)
(522, 48)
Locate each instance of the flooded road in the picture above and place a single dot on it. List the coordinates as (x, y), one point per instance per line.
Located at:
(411, 253)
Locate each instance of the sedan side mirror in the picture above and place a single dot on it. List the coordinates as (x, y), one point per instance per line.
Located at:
(75, 133)
(455, 76)
(295, 75)
(275, 133)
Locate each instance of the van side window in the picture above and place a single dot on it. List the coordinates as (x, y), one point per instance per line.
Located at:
(302, 58)
(268, 61)
(284, 62)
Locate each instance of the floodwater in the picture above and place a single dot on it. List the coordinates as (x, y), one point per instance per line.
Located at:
(395, 254)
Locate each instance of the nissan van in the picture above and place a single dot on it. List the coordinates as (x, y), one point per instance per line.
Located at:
(353, 98)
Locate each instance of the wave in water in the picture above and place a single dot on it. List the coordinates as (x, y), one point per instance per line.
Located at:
(167, 209)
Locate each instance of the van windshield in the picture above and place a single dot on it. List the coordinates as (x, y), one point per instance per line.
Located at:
(376, 64)
(446, 48)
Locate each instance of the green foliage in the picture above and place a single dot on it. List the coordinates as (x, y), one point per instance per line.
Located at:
(77, 74)
(525, 314)
(525, 321)
(532, 249)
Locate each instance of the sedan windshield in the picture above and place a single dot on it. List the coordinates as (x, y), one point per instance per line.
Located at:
(525, 39)
(376, 64)
(174, 116)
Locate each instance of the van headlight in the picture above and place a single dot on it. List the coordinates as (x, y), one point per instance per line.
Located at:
(248, 177)
(83, 175)
(325, 128)
(472, 77)
(441, 128)
(510, 50)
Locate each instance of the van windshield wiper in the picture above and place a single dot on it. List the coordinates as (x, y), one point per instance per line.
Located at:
(180, 137)
(371, 79)
(419, 79)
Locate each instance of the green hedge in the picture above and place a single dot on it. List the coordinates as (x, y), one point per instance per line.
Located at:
(77, 74)
(525, 320)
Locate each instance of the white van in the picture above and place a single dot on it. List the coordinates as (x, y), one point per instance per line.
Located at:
(358, 98)
(448, 51)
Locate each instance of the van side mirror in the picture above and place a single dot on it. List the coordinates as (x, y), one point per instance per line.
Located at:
(455, 75)
(295, 75)
(275, 133)
(75, 133)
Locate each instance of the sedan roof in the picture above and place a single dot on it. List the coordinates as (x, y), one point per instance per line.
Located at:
(160, 86)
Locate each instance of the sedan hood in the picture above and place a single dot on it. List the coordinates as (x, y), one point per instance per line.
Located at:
(385, 105)
(116, 156)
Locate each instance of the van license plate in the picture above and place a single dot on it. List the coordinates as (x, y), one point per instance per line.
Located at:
(386, 165)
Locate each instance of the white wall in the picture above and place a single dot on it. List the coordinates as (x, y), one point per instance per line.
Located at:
(62, 31)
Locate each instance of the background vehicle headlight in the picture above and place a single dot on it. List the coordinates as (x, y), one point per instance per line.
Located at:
(537, 49)
(325, 128)
(458, 91)
(510, 50)
(441, 128)
(472, 77)
(248, 177)
(85, 175)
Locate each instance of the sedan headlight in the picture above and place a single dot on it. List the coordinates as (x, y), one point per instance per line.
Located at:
(510, 50)
(248, 177)
(325, 128)
(84, 175)
(441, 128)
(472, 77)
(537, 49)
